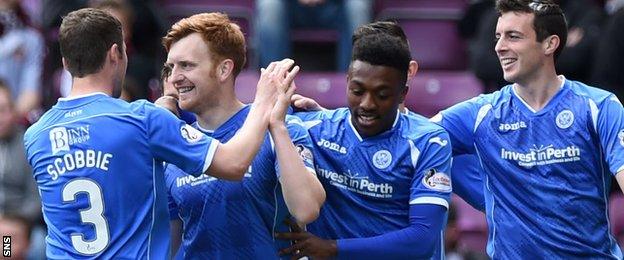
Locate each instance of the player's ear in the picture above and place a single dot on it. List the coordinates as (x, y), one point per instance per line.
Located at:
(413, 68)
(550, 44)
(114, 53)
(64, 63)
(225, 69)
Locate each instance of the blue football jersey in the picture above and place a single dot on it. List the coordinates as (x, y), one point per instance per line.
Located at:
(547, 172)
(98, 163)
(371, 182)
(235, 219)
(467, 177)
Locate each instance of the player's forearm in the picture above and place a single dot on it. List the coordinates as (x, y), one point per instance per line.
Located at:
(232, 159)
(302, 191)
(417, 241)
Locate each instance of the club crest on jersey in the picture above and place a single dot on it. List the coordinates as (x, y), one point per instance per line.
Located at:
(191, 134)
(621, 137)
(61, 137)
(382, 159)
(305, 154)
(437, 181)
(565, 119)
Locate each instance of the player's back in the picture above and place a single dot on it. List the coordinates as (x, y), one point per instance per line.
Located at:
(100, 185)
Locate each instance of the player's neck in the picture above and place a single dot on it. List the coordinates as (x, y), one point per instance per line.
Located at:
(538, 91)
(213, 116)
(91, 84)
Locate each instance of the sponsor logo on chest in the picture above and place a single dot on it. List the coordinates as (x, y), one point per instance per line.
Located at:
(543, 155)
(331, 146)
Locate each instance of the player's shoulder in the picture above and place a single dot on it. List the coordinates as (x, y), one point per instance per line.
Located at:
(590, 93)
(324, 118)
(416, 128)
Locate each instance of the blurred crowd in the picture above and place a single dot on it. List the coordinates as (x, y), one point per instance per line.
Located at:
(32, 75)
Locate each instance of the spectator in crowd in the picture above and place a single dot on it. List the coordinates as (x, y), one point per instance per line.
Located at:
(18, 228)
(609, 62)
(21, 57)
(276, 19)
(18, 192)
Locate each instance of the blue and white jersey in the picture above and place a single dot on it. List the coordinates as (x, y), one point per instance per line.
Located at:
(371, 182)
(547, 173)
(98, 162)
(467, 177)
(235, 219)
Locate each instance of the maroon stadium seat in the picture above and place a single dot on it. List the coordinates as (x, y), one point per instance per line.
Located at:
(245, 85)
(616, 216)
(432, 91)
(431, 28)
(327, 88)
(472, 227)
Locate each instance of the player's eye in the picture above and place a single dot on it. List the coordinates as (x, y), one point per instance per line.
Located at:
(357, 92)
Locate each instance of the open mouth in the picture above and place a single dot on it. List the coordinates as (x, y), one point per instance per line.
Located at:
(183, 90)
(507, 62)
(367, 119)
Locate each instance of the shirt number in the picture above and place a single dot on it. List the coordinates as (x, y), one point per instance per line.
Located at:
(92, 215)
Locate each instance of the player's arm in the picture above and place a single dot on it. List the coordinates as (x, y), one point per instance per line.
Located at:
(176, 236)
(417, 241)
(610, 127)
(232, 159)
(303, 193)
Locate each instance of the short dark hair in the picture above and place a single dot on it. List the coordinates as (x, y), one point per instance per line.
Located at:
(387, 27)
(85, 37)
(383, 50)
(549, 18)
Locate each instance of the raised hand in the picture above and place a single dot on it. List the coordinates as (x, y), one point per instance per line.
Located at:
(271, 79)
(285, 91)
(305, 103)
(168, 102)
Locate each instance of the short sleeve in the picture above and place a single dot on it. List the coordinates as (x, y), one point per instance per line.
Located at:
(171, 140)
(302, 141)
(460, 121)
(431, 183)
(170, 177)
(610, 128)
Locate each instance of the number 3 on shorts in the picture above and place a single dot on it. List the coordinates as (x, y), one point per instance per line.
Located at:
(93, 215)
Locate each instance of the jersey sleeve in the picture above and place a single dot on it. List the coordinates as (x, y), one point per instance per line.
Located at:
(431, 183)
(610, 128)
(467, 180)
(302, 141)
(460, 121)
(170, 177)
(171, 140)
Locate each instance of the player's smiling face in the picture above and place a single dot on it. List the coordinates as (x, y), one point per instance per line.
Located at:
(192, 73)
(374, 94)
(520, 54)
